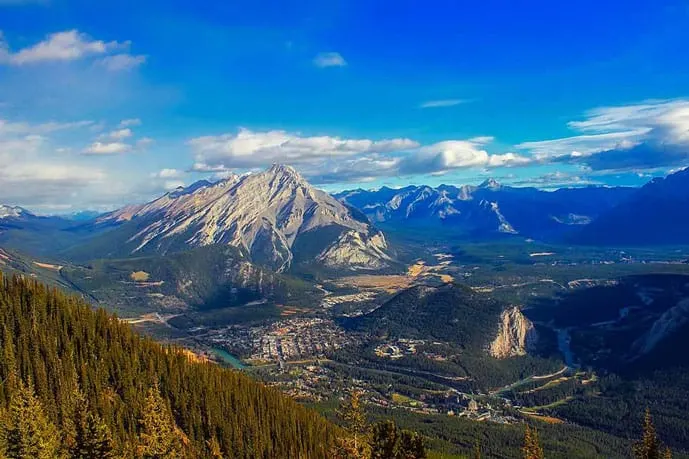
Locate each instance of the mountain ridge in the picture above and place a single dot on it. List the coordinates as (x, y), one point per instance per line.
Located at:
(487, 210)
(262, 214)
(652, 215)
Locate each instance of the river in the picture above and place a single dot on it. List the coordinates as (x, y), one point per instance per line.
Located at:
(564, 341)
(228, 358)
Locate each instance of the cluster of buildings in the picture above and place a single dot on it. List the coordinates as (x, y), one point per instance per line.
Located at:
(360, 297)
(295, 339)
(398, 349)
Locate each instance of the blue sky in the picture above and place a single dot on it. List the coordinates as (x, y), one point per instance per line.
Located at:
(104, 103)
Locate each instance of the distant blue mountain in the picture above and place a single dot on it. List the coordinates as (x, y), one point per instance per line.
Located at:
(656, 214)
(488, 210)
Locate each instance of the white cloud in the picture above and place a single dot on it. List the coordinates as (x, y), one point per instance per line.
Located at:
(326, 159)
(119, 134)
(56, 173)
(458, 154)
(61, 46)
(107, 148)
(248, 149)
(72, 45)
(330, 59)
(442, 103)
(168, 174)
(121, 62)
(650, 134)
(48, 184)
(582, 145)
(130, 122)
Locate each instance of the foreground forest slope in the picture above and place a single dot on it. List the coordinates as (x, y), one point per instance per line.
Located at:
(75, 358)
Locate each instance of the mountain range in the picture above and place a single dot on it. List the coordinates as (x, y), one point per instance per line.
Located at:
(278, 220)
(487, 210)
(653, 215)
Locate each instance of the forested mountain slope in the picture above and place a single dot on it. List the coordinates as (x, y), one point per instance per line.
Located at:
(76, 359)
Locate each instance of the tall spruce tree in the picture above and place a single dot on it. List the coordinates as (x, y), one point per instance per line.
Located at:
(159, 438)
(650, 446)
(532, 446)
(411, 446)
(27, 431)
(385, 440)
(353, 417)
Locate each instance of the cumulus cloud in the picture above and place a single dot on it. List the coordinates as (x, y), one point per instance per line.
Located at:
(330, 59)
(442, 103)
(107, 148)
(647, 135)
(120, 134)
(326, 159)
(168, 174)
(456, 154)
(71, 45)
(249, 149)
(61, 46)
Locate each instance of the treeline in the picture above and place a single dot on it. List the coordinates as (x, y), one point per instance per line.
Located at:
(71, 376)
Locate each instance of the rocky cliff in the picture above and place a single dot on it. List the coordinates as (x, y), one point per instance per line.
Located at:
(516, 335)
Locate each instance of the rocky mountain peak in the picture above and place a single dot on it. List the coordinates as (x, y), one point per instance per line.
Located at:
(491, 184)
(283, 170)
(13, 211)
(263, 214)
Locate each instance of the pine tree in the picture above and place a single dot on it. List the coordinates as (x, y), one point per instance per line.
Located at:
(27, 432)
(353, 416)
(159, 437)
(92, 437)
(411, 446)
(532, 447)
(385, 440)
(650, 446)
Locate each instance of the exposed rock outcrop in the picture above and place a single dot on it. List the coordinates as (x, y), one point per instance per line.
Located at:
(516, 335)
(357, 251)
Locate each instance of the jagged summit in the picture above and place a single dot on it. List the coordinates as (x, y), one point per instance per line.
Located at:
(181, 190)
(283, 169)
(265, 214)
(491, 184)
(13, 211)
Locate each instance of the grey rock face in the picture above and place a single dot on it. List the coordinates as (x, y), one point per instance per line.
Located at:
(264, 214)
(516, 335)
